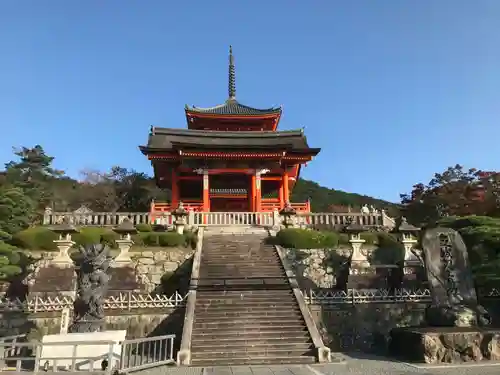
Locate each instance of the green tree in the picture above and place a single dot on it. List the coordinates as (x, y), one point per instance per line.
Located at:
(34, 174)
(15, 211)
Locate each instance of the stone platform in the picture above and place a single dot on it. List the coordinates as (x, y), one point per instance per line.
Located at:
(434, 345)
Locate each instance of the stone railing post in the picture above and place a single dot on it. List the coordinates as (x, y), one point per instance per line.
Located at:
(190, 219)
(276, 220)
(46, 216)
(387, 221)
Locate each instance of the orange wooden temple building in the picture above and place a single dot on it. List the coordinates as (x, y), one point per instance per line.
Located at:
(231, 158)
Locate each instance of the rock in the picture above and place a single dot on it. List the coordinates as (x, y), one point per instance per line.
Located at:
(170, 266)
(433, 349)
(493, 348)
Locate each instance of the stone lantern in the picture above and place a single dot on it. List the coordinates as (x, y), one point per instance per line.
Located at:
(288, 213)
(180, 214)
(125, 230)
(64, 229)
(408, 236)
(359, 261)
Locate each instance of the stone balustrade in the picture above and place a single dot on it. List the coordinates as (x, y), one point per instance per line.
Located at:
(266, 219)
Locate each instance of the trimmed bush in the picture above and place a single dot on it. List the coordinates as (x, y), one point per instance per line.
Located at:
(42, 238)
(144, 227)
(92, 235)
(306, 239)
(389, 250)
(191, 239)
(36, 238)
(370, 238)
(171, 239)
(469, 221)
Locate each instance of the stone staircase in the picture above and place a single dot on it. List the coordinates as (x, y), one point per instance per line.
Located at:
(246, 312)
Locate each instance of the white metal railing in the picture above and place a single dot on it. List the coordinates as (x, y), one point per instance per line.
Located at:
(123, 301)
(303, 219)
(327, 297)
(17, 355)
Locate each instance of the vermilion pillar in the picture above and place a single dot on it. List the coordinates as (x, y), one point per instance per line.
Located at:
(251, 196)
(175, 189)
(258, 193)
(206, 192)
(286, 190)
(281, 195)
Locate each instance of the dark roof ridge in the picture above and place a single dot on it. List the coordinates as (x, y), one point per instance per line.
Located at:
(229, 134)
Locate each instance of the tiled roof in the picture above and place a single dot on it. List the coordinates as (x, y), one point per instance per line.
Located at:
(166, 139)
(233, 107)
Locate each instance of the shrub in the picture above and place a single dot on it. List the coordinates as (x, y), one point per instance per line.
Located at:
(163, 239)
(306, 239)
(92, 235)
(36, 238)
(150, 239)
(389, 250)
(370, 238)
(144, 227)
(171, 239)
(469, 221)
(190, 239)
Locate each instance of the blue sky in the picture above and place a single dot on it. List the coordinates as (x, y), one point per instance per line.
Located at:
(391, 90)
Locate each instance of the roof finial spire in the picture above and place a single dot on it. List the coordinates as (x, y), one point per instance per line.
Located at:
(232, 74)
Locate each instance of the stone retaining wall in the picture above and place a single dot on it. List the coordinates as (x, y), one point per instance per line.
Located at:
(315, 268)
(147, 269)
(364, 327)
(138, 323)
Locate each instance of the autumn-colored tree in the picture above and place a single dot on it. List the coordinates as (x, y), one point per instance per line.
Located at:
(454, 192)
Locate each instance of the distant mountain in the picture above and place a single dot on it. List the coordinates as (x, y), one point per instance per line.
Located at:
(326, 200)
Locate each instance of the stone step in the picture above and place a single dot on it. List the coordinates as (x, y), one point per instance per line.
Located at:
(247, 310)
(269, 351)
(254, 360)
(243, 268)
(243, 345)
(239, 263)
(240, 315)
(286, 323)
(248, 307)
(235, 278)
(243, 303)
(263, 332)
(235, 330)
(256, 293)
(267, 303)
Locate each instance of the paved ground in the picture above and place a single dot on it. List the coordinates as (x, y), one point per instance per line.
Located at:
(354, 365)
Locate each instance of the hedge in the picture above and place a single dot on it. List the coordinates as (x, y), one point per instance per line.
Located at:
(42, 238)
(306, 239)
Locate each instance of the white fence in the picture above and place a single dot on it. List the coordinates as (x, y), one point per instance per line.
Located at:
(325, 297)
(267, 219)
(123, 301)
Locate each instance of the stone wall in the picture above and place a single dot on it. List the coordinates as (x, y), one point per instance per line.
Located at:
(137, 323)
(364, 327)
(316, 268)
(144, 273)
(151, 264)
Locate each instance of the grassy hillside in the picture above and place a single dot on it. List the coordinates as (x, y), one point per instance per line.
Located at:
(322, 198)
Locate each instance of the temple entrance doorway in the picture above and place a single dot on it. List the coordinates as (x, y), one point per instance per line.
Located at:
(229, 204)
